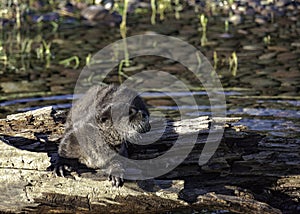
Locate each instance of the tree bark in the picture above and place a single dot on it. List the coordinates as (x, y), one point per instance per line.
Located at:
(249, 173)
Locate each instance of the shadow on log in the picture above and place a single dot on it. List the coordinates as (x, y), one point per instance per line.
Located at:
(249, 173)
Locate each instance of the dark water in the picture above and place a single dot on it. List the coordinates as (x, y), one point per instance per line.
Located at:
(265, 90)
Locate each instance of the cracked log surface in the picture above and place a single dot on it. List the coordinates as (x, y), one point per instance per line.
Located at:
(249, 173)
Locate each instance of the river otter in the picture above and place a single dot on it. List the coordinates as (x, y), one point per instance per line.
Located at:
(98, 127)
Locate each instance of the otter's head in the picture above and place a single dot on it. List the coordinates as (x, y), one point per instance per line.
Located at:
(122, 112)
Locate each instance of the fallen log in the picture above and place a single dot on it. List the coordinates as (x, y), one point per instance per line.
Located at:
(248, 173)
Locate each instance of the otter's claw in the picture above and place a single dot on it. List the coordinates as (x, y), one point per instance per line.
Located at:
(63, 167)
(116, 181)
(62, 170)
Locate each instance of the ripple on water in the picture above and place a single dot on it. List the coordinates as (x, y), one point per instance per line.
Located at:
(35, 99)
(291, 102)
(266, 112)
(57, 106)
(279, 128)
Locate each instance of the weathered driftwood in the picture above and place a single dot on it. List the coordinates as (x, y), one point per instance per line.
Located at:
(249, 173)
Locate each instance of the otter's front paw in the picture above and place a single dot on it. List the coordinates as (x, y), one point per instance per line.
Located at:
(62, 170)
(116, 181)
(63, 167)
(116, 174)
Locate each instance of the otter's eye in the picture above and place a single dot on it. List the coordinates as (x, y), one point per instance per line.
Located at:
(104, 115)
(103, 119)
(132, 111)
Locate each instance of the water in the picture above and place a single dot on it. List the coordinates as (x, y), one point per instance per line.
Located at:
(276, 120)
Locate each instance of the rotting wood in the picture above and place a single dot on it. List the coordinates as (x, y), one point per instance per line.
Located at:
(249, 172)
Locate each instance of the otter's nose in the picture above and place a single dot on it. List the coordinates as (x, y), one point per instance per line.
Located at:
(147, 127)
(144, 114)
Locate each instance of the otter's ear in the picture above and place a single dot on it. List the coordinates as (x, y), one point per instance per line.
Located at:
(104, 115)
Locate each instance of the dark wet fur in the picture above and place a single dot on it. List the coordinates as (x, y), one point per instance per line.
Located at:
(93, 139)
